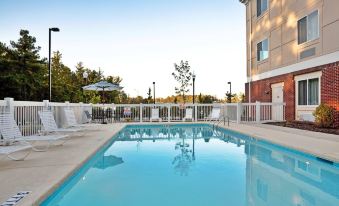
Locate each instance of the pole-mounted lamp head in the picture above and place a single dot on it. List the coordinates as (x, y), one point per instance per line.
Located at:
(54, 29)
(85, 75)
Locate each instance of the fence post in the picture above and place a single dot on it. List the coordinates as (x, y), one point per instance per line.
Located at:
(141, 108)
(10, 105)
(81, 115)
(46, 104)
(113, 112)
(225, 110)
(67, 104)
(257, 111)
(195, 112)
(239, 109)
(168, 112)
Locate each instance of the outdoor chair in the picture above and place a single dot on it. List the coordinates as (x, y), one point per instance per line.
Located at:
(15, 147)
(50, 126)
(88, 116)
(188, 114)
(10, 130)
(71, 120)
(155, 115)
(215, 114)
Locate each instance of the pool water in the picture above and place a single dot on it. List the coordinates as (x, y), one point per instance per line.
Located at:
(184, 165)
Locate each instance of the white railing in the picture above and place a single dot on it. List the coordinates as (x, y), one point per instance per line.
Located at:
(26, 112)
(27, 118)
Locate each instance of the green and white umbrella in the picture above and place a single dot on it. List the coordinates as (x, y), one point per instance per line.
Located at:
(102, 86)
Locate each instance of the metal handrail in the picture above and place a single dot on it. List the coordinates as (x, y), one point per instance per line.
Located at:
(221, 119)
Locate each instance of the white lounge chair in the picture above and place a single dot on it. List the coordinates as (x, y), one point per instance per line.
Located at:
(188, 114)
(10, 130)
(155, 115)
(72, 122)
(88, 116)
(17, 146)
(215, 114)
(49, 124)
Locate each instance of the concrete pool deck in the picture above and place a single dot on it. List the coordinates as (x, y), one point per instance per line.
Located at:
(43, 172)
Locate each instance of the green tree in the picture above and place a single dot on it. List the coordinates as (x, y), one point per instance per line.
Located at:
(183, 76)
(206, 99)
(22, 71)
(230, 97)
(24, 75)
(149, 95)
(62, 82)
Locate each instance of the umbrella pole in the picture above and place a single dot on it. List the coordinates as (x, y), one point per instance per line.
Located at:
(103, 108)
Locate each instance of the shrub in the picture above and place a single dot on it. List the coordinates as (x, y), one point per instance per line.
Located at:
(324, 115)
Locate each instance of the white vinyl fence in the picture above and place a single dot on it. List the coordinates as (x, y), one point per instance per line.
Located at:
(26, 112)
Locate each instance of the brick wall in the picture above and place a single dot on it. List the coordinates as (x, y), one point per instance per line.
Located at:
(261, 90)
(330, 88)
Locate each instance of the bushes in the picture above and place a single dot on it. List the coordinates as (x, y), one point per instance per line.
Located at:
(324, 115)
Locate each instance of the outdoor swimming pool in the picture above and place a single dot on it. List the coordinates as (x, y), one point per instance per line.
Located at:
(184, 165)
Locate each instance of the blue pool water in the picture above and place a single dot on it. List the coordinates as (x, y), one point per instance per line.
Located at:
(192, 165)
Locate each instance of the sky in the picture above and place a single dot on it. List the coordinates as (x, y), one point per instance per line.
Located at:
(140, 40)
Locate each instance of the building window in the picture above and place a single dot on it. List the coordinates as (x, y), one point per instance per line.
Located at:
(308, 92)
(262, 50)
(262, 6)
(262, 190)
(308, 28)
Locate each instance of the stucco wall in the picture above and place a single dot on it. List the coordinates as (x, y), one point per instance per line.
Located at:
(279, 24)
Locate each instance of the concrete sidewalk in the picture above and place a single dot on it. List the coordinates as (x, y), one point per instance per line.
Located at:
(42, 172)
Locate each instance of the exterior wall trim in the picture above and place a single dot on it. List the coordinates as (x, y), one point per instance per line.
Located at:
(317, 61)
(281, 84)
(306, 109)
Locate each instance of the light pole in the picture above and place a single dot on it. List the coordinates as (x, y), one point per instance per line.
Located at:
(153, 92)
(54, 29)
(85, 76)
(230, 95)
(194, 87)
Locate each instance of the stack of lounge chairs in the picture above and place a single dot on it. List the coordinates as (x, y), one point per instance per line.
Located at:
(17, 147)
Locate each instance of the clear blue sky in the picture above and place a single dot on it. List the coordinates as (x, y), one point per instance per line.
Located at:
(140, 40)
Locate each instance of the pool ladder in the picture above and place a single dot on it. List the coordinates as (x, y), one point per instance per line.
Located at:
(223, 119)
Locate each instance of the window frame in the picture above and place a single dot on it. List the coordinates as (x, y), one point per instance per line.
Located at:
(307, 77)
(307, 38)
(262, 12)
(268, 49)
(306, 172)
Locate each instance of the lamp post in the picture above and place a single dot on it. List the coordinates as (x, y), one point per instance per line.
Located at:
(230, 95)
(85, 76)
(153, 92)
(193, 87)
(54, 29)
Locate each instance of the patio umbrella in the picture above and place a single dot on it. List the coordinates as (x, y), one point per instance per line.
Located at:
(102, 86)
(108, 161)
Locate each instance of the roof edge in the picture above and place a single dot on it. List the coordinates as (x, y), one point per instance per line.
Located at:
(244, 1)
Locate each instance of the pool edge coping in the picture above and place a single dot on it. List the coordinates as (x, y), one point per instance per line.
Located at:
(333, 159)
